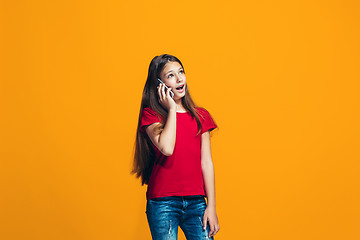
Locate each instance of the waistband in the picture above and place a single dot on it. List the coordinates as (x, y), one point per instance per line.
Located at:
(179, 197)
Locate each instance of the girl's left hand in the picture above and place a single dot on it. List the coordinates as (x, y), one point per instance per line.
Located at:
(211, 217)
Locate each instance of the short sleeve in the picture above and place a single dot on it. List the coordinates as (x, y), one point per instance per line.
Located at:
(148, 117)
(207, 122)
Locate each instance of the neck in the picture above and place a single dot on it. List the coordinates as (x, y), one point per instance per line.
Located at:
(179, 106)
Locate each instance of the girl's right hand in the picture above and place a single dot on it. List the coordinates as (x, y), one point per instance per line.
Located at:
(164, 97)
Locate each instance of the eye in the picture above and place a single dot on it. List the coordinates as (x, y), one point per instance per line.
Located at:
(181, 71)
(170, 75)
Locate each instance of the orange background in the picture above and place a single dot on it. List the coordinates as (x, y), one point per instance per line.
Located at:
(281, 79)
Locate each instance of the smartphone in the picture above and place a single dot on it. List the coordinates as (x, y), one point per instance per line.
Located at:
(171, 92)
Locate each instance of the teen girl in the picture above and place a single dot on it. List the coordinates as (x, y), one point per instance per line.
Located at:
(173, 155)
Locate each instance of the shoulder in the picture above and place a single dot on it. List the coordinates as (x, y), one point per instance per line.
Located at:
(148, 117)
(149, 114)
(202, 112)
(206, 119)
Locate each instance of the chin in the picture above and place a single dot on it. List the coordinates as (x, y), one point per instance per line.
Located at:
(178, 97)
(182, 95)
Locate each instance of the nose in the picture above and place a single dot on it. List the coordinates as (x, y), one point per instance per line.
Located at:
(179, 78)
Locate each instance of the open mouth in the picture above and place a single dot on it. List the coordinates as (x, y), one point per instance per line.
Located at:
(180, 88)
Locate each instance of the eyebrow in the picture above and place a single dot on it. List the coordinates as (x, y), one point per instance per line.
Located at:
(171, 70)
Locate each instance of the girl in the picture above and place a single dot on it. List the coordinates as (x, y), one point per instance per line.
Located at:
(173, 155)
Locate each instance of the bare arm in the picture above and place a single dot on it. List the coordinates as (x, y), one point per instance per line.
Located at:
(207, 167)
(165, 141)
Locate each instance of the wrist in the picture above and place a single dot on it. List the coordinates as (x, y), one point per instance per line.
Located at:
(172, 109)
(211, 204)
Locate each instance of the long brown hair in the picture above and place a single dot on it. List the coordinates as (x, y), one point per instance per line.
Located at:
(144, 156)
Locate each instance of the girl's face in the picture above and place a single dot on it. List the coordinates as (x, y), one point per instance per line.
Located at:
(174, 77)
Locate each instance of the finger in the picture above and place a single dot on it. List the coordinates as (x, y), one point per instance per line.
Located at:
(159, 91)
(168, 92)
(162, 97)
(204, 223)
(163, 91)
(212, 230)
(217, 228)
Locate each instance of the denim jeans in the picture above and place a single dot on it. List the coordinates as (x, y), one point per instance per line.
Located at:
(165, 214)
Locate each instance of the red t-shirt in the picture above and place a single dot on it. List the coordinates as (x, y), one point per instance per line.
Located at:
(179, 174)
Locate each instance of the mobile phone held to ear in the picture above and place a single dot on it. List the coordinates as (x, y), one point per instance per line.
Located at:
(171, 92)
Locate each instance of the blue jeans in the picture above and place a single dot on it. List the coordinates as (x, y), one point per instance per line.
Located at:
(165, 214)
